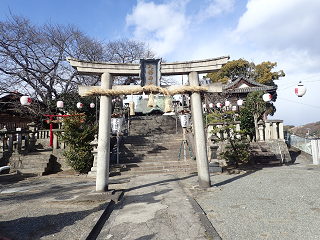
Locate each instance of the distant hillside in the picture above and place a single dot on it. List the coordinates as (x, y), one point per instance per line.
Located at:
(302, 131)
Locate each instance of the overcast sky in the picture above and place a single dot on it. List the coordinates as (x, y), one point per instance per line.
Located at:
(282, 31)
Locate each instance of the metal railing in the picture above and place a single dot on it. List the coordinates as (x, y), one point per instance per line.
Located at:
(304, 144)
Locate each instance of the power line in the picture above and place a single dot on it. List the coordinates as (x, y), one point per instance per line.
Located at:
(305, 78)
(294, 84)
(299, 103)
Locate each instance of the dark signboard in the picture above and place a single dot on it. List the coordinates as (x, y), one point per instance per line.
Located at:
(150, 71)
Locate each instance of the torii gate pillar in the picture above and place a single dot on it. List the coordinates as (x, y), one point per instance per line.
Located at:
(199, 134)
(103, 159)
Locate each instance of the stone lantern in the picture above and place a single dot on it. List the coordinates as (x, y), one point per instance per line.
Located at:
(214, 165)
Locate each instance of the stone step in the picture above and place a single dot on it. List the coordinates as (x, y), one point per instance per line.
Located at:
(167, 168)
(155, 135)
(150, 142)
(37, 165)
(150, 149)
(150, 145)
(143, 154)
(148, 154)
(264, 159)
(262, 154)
(163, 163)
(178, 170)
(256, 153)
(159, 143)
(36, 171)
(35, 160)
(153, 159)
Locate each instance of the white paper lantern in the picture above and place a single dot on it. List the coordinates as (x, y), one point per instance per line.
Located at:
(60, 104)
(219, 105)
(211, 105)
(92, 105)
(25, 100)
(300, 90)
(266, 97)
(79, 105)
(116, 125)
(227, 103)
(184, 119)
(240, 102)
(234, 108)
(204, 105)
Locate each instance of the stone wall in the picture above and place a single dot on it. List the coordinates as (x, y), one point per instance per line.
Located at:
(149, 125)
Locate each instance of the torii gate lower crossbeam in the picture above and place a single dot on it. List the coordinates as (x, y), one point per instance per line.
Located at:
(107, 70)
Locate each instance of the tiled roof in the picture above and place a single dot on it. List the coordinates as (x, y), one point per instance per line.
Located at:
(231, 87)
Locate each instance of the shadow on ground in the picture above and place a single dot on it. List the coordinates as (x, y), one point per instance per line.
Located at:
(26, 228)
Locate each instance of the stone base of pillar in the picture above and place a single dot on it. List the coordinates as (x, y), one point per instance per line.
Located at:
(214, 166)
(93, 171)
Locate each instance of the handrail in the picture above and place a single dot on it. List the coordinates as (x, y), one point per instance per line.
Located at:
(303, 144)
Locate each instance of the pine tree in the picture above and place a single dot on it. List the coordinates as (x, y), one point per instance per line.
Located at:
(78, 132)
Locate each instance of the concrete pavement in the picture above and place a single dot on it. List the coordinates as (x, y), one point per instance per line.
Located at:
(67, 207)
(155, 207)
(53, 206)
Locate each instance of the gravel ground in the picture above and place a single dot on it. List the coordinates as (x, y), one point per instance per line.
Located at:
(269, 203)
(48, 207)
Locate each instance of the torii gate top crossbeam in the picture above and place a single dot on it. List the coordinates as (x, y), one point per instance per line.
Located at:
(132, 69)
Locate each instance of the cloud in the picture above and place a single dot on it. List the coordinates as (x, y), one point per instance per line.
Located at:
(286, 32)
(287, 28)
(167, 27)
(163, 25)
(213, 8)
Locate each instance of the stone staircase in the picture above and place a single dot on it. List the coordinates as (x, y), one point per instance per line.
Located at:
(271, 152)
(261, 154)
(158, 153)
(37, 163)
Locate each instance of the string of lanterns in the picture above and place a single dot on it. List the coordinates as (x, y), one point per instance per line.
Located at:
(266, 97)
(300, 91)
(60, 104)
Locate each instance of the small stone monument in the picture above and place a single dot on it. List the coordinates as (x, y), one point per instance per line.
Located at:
(32, 139)
(214, 165)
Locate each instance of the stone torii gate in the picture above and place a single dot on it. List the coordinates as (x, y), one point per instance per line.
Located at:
(107, 70)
